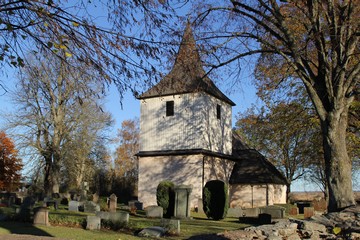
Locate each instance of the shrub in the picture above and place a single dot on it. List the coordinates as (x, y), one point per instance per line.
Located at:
(165, 197)
(215, 199)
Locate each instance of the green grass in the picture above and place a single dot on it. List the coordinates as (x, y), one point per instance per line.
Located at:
(197, 226)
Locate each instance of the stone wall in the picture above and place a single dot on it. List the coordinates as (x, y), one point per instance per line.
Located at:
(251, 196)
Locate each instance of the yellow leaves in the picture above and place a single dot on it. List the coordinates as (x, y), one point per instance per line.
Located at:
(336, 230)
(75, 24)
(67, 54)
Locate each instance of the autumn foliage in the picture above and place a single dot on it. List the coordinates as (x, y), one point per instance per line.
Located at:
(10, 164)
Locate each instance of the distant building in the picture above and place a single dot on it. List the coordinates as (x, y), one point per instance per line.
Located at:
(186, 137)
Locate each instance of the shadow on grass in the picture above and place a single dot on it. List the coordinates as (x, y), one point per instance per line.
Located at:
(208, 237)
(23, 228)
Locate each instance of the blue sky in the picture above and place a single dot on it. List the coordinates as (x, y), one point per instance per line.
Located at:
(244, 95)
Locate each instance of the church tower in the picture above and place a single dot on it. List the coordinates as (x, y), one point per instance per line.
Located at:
(185, 128)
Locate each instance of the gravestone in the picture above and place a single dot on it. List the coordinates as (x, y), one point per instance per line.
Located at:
(41, 216)
(294, 211)
(276, 212)
(252, 212)
(171, 225)
(154, 211)
(152, 232)
(26, 209)
(74, 206)
(235, 212)
(112, 203)
(120, 216)
(91, 207)
(93, 223)
(182, 201)
(308, 212)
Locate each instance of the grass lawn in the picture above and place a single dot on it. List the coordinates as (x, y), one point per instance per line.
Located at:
(196, 226)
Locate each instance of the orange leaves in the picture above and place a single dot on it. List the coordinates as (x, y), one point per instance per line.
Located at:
(10, 164)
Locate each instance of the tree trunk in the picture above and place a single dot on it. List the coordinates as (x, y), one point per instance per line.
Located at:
(338, 164)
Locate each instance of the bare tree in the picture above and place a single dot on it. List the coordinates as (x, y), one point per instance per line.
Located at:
(97, 33)
(317, 43)
(55, 119)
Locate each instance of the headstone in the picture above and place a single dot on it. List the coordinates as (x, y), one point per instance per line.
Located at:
(95, 198)
(276, 212)
(93, 223)
(154, 211)
(103, 215)
(112, 203)
(91, 207)
(182, 201)
(41, 216)
(26, 208)
(114, 216)
(308, 212)
(171, 225)
(153, 232)
(294, 211)
(252, 212)
(74, 206)
(235, 212)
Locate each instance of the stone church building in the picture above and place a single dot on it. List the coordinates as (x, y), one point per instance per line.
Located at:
(186, 137)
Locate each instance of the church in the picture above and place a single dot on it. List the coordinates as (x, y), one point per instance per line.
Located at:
(186, 137)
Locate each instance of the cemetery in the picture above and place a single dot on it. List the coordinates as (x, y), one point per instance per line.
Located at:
(109, 218)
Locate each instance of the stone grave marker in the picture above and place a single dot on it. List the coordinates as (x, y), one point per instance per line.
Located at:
(200, 208)
(252, 212)
(294, 211)
(171, 225)
(276, 212)
(93, 223)
(308, 212)
(26, 208)
(112, 203)
(41, 216)
(91, 207)
(154, 211)
(73, 206)
(235, 212)
(182, 201)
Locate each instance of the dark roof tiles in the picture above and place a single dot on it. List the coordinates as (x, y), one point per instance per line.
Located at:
(187, 74)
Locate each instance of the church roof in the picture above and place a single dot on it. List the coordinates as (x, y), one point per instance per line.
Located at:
(252, 167)
(187, 74)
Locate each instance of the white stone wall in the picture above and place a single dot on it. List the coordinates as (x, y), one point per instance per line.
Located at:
(247, 196)
(187, 170)
(193, 126)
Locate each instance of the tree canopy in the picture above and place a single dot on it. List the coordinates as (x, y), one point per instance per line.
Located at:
(314, 43)
(10, 164)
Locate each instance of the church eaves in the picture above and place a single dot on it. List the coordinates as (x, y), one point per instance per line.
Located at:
(187, 74)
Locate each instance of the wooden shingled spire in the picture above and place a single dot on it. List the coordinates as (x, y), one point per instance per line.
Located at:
(187, 74)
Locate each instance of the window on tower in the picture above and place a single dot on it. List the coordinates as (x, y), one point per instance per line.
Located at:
(218, 111)
(169, 108)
